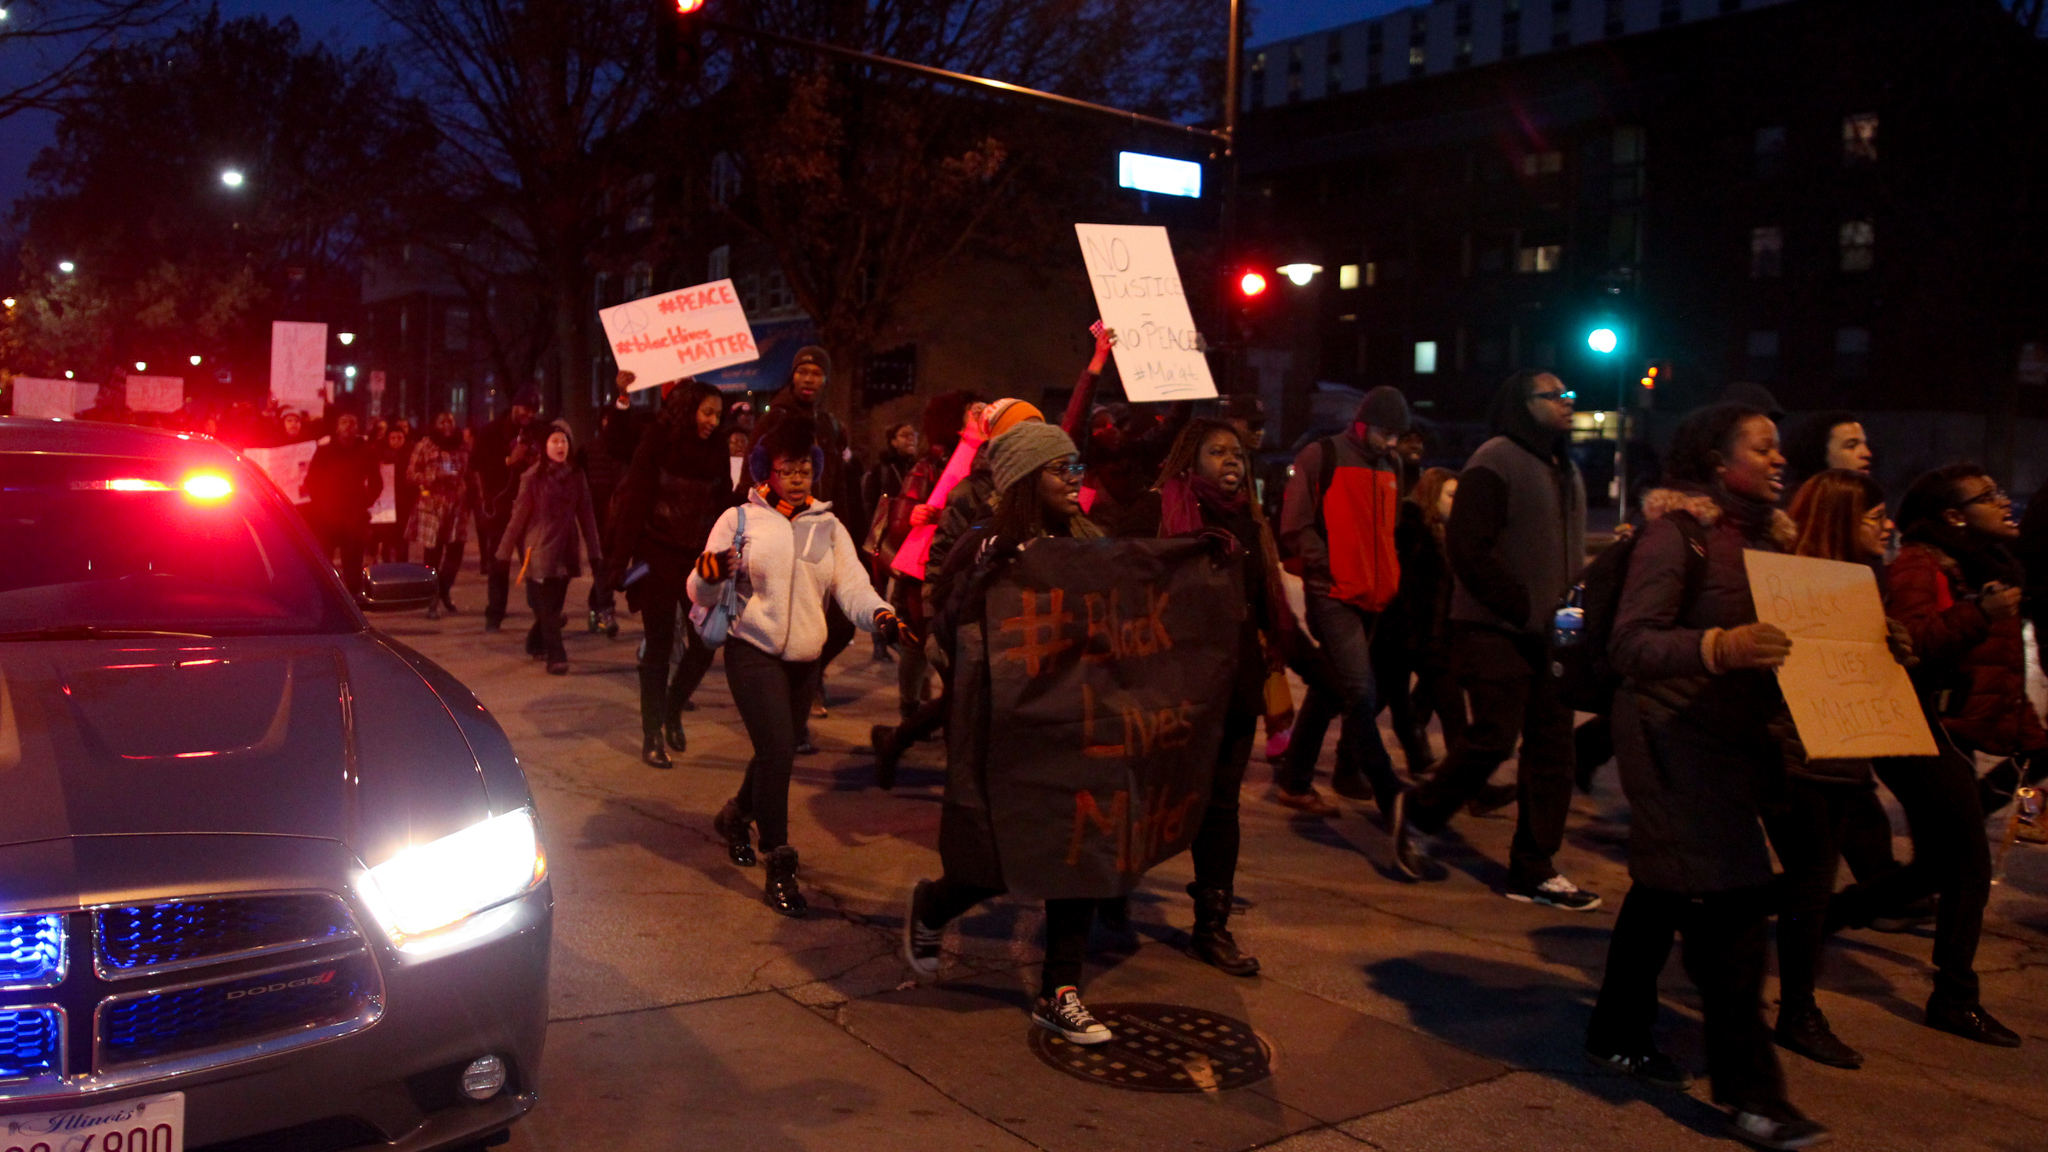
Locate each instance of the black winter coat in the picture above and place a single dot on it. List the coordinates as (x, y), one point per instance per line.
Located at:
(342, 481)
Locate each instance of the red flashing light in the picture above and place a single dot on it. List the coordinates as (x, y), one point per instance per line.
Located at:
(685, 7)
(1251, 284)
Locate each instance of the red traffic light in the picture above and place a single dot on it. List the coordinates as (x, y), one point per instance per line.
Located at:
(685, 7)
(1251, 284)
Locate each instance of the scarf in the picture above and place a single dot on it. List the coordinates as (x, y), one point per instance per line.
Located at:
(1182, 498)
(788, 510)
(1981, 559)
(1751, 515)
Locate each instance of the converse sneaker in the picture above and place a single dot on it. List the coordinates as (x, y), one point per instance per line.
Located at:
(920, 944)
(1063, 1012)
(1779, 1127)
(1557, 892)
(1652, 1066)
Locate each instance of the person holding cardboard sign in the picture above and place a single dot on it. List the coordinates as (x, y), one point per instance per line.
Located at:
(1694, 735)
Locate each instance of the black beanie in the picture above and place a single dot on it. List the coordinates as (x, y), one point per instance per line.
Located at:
(1383, 407)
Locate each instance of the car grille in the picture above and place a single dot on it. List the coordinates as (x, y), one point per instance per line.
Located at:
(175, 986)
(161, 937)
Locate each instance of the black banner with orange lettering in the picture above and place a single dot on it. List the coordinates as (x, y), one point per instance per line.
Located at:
(1108, 667)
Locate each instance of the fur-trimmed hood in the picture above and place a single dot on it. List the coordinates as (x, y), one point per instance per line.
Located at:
(1704, 508)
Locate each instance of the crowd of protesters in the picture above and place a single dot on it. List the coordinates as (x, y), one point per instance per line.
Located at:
(1381, 585)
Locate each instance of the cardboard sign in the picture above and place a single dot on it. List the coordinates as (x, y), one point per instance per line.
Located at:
(286, 467)
(298, 364)
(156, 393)
(1107, 667)
(39, 398)
(385, 510)
(1849, 696)
(678, 334)
(1138, 291)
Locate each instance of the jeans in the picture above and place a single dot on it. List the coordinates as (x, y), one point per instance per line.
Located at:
(1807, 834)
(1214, 850)
(662, 698)
(1514, 697)
(1066, 927)
(1725, 953)
(1345, 633)
(546, 597)
(774, 698)
(497, 573)
(1950, 857)
(446, 561)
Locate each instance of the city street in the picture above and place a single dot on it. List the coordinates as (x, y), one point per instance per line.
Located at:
(687, 1015)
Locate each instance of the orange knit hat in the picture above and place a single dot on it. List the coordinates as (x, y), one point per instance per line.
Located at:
(1006, 414)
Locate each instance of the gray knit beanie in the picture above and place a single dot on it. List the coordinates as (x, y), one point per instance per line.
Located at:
(1384, 407)
(1023, 450)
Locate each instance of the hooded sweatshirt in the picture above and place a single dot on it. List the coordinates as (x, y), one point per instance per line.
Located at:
(551, 510)
(793, 558)
(1517, 533)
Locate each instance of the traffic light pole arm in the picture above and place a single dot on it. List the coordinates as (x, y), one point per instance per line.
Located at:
(1136, 119)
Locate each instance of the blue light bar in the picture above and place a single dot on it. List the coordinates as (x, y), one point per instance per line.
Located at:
(31, 951)
(1161, 174)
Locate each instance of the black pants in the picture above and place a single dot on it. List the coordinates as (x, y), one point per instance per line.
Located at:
(1867, 838)
(545, 598)
(1215, 847)
(662, 697)
(1950, 857)
(350, 540)
(1514, 697)
(446, 561)
(1066, 927)
(774, 698)
(1806, 831)
(497, 573)
(1725, 953)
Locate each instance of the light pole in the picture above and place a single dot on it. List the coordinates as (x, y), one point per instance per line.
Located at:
(1606, 341)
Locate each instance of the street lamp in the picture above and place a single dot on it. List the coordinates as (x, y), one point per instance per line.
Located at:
(141, 367)
(346, 338)
(232, 178)
(1603, 341)
(195, 361)
(1301, 274)
(66, 267)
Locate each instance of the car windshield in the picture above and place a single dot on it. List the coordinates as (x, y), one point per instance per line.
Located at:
(112, 544)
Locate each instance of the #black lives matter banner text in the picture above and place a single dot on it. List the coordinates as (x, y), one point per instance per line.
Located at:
(1109, 667)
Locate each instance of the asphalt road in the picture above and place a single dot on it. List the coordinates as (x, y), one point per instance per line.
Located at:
(1401, 1017)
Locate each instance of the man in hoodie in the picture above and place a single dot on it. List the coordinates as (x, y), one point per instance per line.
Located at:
(1337, 534)
(505, 449)
(1517, 539)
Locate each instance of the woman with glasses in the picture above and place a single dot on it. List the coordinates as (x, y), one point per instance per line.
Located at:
(790, 555)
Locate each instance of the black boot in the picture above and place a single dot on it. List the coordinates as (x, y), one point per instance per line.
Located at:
(883, 739)
(1804, 1029)
(780, 891)
(652, 754)
(672, 732)
(1213, 944)
(732, 827)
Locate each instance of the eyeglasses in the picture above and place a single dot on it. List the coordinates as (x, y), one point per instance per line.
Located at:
(799, 472)
(1067, 469)
(1995, 496)
(1567, 397)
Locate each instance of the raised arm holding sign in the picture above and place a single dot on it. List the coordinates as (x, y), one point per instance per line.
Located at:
(1159, 354)
(677, 334)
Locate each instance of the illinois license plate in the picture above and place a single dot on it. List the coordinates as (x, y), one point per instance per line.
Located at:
(143, 1124)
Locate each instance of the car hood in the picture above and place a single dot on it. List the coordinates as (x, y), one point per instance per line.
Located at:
(334, 738)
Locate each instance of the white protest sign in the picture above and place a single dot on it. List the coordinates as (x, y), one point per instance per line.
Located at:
(1849, 697)
(680, 333)
(156, 393)
(385, 510)
(40, 398)
(286, 466)
(298, 364)
(1138, 291)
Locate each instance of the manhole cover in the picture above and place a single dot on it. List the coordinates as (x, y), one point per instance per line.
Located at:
(1162, 1048)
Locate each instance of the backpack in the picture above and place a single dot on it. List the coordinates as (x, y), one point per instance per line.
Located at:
(1587, 680)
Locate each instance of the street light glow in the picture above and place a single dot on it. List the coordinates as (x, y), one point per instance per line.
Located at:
(66, 266)
(1251, 284)
(232, 178)
(141, 367)
(685, 7)
(1301, 274)
(346, 338)
(349, 371)
(1603, 340)
(195, 361)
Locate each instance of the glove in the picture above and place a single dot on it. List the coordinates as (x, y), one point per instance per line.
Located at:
(716, 567)
(1220, 544)
(892, 630)
(1751, 646)
(1900, 640)
(1998, 601)
(923, 514)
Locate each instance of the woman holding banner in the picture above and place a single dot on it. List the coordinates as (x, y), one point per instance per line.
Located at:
(1203, 492)
(1037, 474)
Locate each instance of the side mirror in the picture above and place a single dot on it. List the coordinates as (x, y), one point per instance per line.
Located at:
(397, 588)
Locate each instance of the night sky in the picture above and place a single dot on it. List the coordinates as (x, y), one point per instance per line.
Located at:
(351, 22)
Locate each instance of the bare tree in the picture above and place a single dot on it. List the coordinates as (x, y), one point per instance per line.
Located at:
(52, 44)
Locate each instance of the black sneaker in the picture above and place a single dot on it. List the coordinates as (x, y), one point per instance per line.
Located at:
(1652, 1066)
(1779, 1127)
(1557, 892)
(1063, 1012)
(1906, 917)
(921, 945)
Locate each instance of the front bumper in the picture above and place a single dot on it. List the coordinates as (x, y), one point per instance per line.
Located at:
(394, 1084)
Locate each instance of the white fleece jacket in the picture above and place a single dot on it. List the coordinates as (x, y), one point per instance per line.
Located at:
(787, 568)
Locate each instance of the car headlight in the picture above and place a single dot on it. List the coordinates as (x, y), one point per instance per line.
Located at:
(436, 896)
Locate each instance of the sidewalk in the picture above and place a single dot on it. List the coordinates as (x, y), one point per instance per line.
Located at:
(1421, 1018)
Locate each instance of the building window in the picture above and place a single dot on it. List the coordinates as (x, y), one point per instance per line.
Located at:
(1375, 44)
(719, 265)
(1627, 183)
(1560, 23)
(1294, 89)
(725, 179)
(1763, 355)
(1859, 138)
(1672, 14)
(640, 282)
(1859, 245)
(1624, 240)
(1615, 20)
(1543, 163)
(1333, 66)
(455, 330)
(1418, 43)
(1258, 80)
(1347, 276)
(599, 288)
(1770, 151)
(1730, 7)
(1464, 19)
(1510, 29)
(1766, 252)
(1536, 258)
(1425, 357)
(1852, 352)
(640, 217)
(1294, 73)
